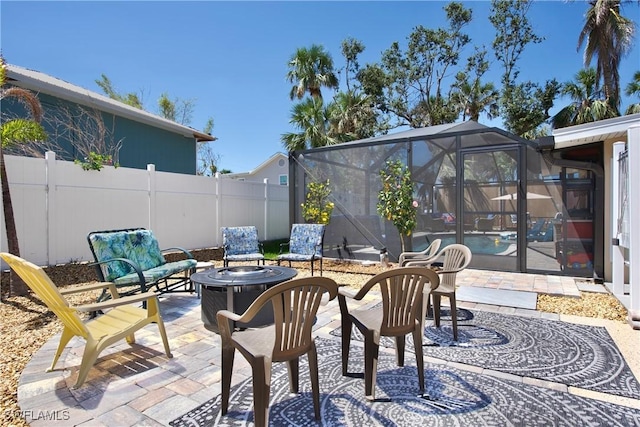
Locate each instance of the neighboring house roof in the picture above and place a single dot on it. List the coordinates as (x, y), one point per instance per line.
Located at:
(276, 157)
(595, 132)
(40, 82)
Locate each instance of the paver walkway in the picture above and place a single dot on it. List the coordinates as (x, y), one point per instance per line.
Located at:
(138, 385)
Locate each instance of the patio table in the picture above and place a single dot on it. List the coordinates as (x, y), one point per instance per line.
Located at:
(235, 288)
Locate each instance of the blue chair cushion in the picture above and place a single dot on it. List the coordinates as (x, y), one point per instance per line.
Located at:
(306, 239)
(144, 250)
(111, 245)
(245, 257)
(240, 240)
(298, 257)
(157, 273)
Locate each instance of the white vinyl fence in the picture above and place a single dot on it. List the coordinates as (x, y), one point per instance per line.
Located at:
(56, 204)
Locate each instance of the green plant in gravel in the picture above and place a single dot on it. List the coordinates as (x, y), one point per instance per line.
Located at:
(395, 200)
(317, 208)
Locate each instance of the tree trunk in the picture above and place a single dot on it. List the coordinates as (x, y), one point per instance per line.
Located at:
(17, 287)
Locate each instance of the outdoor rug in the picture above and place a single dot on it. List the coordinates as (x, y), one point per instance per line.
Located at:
(455, 397)
(575, 355)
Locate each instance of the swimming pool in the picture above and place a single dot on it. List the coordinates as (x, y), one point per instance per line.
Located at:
(479, 244)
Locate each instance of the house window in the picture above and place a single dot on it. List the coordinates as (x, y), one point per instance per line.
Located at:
(284, 179)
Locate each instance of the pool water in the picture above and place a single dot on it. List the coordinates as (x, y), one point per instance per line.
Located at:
(481, 244)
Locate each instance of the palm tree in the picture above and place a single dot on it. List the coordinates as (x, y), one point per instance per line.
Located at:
(309, 70)
(588, 101)
(311, 117)
(15, 131)
(474, 98)
(351, 116)
(633, 88)
(609, 37)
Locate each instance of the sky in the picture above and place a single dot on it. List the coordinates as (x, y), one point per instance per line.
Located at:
(231, 58)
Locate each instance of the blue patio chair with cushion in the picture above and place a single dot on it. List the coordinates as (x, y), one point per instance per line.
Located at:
(132, 257)
(305, 244)
(241, 244)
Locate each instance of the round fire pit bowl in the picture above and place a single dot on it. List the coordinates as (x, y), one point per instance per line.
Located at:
(235, 288)
(247, 275)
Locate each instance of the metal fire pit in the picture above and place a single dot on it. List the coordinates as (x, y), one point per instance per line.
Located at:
(235, 288)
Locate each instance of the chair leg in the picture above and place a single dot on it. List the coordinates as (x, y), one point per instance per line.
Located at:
(131, 339)
(400, 344)
(346, 343)
(227, 368)
(320, 266)
(261, 370)
(454, 315)
(312, 266)
(64, 340)
(163, 335)
(91, 351)
(294, 375)
(315, 384)
(436, 309)
(417, 342)
(346, 325)
(371, 347)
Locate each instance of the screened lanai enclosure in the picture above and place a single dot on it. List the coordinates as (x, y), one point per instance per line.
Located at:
(518, 205)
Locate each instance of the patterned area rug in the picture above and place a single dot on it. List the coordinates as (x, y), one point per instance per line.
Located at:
(455, 397)
(575, 355)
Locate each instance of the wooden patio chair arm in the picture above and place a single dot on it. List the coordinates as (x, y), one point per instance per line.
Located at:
(92, 287)
(131, 299)
(85, 288)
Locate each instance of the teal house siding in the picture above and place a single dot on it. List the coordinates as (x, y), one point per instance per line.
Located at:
(142, 145)
(144, 137)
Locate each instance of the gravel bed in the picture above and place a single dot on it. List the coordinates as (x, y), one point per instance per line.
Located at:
(27, 324)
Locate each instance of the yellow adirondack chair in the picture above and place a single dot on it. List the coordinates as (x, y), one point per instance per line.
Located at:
(121, 320)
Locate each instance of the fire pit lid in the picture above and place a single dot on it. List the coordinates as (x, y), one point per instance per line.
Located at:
(244, 275)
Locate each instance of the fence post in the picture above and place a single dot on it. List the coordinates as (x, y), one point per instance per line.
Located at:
(51, 206)
(266, 208)
(218, 203)
(151, 186)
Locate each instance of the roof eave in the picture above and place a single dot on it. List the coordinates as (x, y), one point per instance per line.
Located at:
(594, 132)
(91, 99)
